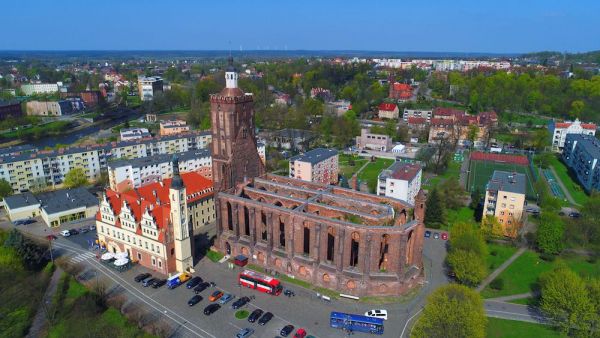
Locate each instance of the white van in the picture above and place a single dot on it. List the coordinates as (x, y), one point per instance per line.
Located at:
(65, 233)
(377, 314)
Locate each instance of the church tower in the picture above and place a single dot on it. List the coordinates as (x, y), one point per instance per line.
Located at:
(235, 158)
(179, 219)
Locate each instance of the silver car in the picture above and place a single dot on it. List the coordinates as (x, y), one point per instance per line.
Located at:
(226, 298)
(247, 332)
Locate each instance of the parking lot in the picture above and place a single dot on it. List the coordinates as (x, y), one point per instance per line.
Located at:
(304, 310)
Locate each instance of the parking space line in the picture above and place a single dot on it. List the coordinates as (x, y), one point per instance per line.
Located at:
(165, 311)
(237, 327)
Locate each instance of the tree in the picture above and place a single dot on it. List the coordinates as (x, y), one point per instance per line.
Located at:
(75, 178)
(5, 188)
(452, 311)
(565, 299)
(550, 233)
(472, 133)
(491, 227)
(452, 193)
(476, 197)
(465, 236)
(577, 108)
(434, 213)
(541, 138)
(468, 267)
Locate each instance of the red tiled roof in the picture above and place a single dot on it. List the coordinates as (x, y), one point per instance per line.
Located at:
(397, 86)
(406, 172)
(387, 106)
(417, 120)
(155, 197)
(568, 124)
(443, 111)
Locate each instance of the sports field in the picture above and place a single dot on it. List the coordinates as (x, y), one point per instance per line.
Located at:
(480, 173)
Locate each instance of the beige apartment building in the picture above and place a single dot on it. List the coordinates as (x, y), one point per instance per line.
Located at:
(505, 199)
(318, 165)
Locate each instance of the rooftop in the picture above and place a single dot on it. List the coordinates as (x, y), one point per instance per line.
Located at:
(25, 199)
(401, 171)
(507, 181)
(590, 143)
(315, 156)
(157, 159)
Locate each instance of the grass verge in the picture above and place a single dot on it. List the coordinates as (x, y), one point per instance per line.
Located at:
(502, 328)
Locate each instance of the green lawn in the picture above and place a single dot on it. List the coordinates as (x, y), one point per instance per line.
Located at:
(522, 275)
(498, 254)
(214, 256)
(480, 173)
(518, 118)
(372, 171)
(572, 186)
(502, 328)
(462, 215)
(348, 170)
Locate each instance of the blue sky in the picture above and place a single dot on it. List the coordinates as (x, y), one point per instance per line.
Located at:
(445, 26)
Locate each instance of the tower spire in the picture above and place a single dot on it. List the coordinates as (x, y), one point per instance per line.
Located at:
(177, 182)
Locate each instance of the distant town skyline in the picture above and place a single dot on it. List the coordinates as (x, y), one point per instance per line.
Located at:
(437, 26)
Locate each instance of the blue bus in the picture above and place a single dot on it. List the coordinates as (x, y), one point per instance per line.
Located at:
(360, 323)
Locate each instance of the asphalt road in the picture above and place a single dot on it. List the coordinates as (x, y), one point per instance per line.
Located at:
(304, 310)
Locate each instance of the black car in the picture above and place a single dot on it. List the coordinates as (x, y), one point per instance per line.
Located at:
(148, 282)
(286, 330)
(574, 214)
(74, 232)
(193, 282)
(240, 302)
(195, 300)
(265, 318)
(141, 277)
(255, 315)
(200, 287)
(158, 283)
(212, 308)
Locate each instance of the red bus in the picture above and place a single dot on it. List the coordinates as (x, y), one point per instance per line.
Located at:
(260, 282)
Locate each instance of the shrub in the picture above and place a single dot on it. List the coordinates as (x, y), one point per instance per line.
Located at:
(242, 314)
(497, 284)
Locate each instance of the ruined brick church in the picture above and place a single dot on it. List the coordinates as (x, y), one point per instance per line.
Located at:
(353, 242)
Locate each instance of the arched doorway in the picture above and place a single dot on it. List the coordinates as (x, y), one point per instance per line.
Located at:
(228, 248)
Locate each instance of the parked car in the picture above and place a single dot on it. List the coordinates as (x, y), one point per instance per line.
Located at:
(226, 298)
(146, 282)
(445, 236)
(427, 233)
(65, 233)
(92, 227)
(74, 232)
(377, 314)
(247, 332)
(194, 300)
(286, 330)
(574, 215)
(200, 287)
(83, 230)
(255, 315)
(141, 276)
(265, 318)
(301, 333)
(158, 283)
(193, 282)
(25, 221)
(436, 235)
(289, 293)
(240, 302)
(51, 237)
(211, 308)
(215, 296)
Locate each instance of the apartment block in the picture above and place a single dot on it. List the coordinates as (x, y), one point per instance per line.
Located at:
(581, 153)
(505, 199)
(318, 165)
(560, 130)
(401, 181)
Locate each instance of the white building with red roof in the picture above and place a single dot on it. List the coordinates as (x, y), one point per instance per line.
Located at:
(388, 111)
(154, 224)
(401, 181)
(560, 130)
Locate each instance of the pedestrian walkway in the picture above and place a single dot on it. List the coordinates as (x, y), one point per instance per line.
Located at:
(39, 320)
(563, 187)
(499, 270)
(512, 297)
(81, 257)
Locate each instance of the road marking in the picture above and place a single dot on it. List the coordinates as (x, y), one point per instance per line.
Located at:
(237, 327)
(165, 311)
(407, 321)
(82, 257)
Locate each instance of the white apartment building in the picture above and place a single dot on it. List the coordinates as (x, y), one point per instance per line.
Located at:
(124, 175)
(401, 181)
(424, 113)
(149, 86)
(560, 130)
(134, 134)
(40, 88)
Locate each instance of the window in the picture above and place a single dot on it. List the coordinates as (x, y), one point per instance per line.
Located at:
(139, 255)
